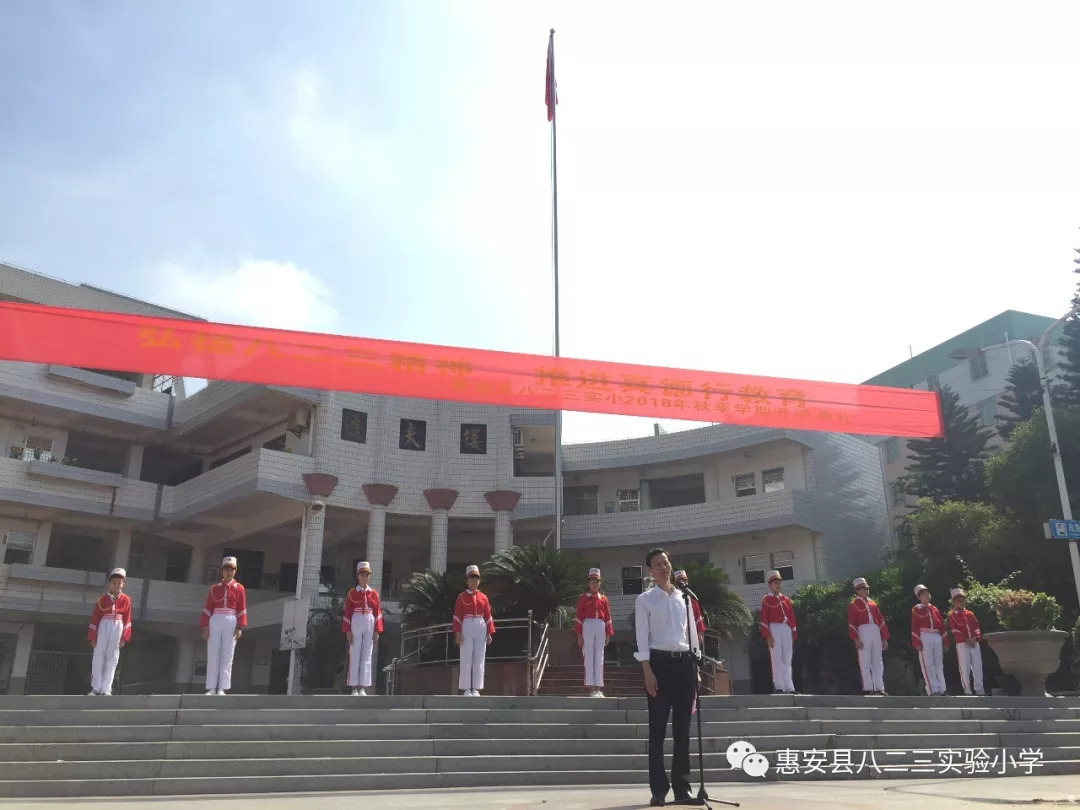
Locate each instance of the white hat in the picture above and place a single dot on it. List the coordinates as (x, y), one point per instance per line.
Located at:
(955, 592)
(774, 575)
(919, 589)
(860, 581)
(231, 561)
(594, 572)
(118, 572)
(472, 569)
(680, 574)
(363, 565)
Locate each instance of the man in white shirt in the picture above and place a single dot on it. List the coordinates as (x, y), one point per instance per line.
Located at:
(667, 647)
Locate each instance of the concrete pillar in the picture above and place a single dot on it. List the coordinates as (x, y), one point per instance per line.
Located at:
(133, 468)
(441, 502)
(197, 567)
(185, 662)
(19, 666)
(41, 544)
(122, 550)
(503, 501)
(379, 496)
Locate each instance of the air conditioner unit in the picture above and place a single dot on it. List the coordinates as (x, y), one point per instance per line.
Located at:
(519, 439)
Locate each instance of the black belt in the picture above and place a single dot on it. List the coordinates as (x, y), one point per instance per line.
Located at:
(669, 654)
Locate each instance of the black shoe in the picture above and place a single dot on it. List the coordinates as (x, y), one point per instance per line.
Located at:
(656, 801)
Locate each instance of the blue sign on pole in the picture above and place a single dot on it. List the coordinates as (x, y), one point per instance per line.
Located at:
(1065, 529)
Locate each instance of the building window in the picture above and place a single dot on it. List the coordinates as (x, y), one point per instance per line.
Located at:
(33, 447)
(933, 383)
(987, 411)
(899, 495)
(784, 562)
(890, 450)
(977, 366)
(580, 500)
(412, 435)
(221, 462)
(629, 500)
(745, 485)
(19, 547)
(772, 480)
(473, 439)
(632, 581)
(353, 426)
(754, 569)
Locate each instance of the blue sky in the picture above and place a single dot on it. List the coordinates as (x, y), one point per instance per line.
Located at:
(788, 189)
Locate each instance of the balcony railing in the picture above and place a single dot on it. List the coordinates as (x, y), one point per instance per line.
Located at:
(76, 489)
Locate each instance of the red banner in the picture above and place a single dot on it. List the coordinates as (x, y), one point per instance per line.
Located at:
(150, 345)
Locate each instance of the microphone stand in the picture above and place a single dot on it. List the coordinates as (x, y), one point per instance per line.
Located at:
(702, 799)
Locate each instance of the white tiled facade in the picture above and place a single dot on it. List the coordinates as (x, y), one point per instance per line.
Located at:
(105, 470)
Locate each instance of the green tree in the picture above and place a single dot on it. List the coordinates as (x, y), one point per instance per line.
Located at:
(1070, 342)
(723, 610)
(1022, 397)
(950, 467)
(428, 598)
(535, 578)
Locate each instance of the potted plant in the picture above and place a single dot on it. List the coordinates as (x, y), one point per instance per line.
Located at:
(1023, 631)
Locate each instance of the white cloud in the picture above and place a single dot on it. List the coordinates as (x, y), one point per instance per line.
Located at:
(260, 292)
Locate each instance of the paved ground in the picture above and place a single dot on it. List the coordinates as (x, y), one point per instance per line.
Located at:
(1015, 791)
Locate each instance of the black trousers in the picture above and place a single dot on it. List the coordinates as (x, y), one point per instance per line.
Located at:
(676, 685)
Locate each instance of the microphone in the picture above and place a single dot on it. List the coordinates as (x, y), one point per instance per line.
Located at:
(682, 586)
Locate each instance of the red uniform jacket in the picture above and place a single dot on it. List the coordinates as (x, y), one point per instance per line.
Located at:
(963, 625)
(472, 603)
(926, 618)
(361, 601)
(777, 610)
(229, 599)
(593, 607)
(698, 618)
(865, 611)
(111, 610)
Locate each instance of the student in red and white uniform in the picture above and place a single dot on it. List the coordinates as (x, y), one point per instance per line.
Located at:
(223, 617)
(866, 627)
(473, 629)
(110, 629)
(966, 633)
(930, 637)
(778, 630)
(594, 629)
(361, 622)
(699, 619)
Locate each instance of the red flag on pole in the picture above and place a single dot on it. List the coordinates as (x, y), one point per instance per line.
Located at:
(551, 97)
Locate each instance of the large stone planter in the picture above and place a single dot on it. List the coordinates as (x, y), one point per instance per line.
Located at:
(1030, 656)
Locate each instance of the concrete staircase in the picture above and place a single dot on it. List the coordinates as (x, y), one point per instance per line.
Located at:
(194, 744)
(569, 680)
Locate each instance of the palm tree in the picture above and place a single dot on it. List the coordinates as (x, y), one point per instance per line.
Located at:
(428, 598)
(534, 578)
(724, 610)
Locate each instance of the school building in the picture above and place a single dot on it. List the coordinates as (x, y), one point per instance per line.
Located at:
(108, 469)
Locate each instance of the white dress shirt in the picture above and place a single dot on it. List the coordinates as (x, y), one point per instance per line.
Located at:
(660, 621)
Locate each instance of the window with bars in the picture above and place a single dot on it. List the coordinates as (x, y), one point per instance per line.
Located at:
(19, 547)
(784, 562)
(745, 484)
(977, 367)
(580, 500)
(772, 480)
(33, 447)
(629, 500)
(754, 569)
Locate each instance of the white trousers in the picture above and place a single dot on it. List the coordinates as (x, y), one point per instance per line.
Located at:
(106, 654)
(219, 651)
(780, 654)
(932, 661)
(594, 632)
(970, 659)
(363, 634)
(473, 649)
(870, 663)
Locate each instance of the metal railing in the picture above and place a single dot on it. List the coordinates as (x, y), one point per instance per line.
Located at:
(434, 645)
(712, 661)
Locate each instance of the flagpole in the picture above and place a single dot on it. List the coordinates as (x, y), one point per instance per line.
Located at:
(552, 101)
